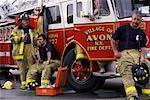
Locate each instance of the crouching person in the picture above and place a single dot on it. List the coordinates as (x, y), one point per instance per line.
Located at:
(45, 62)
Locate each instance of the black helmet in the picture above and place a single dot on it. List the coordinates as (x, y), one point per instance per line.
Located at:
(33, 85)
(140, 74)
(24, 16)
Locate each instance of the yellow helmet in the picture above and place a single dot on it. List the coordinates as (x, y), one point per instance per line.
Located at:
(8, 85)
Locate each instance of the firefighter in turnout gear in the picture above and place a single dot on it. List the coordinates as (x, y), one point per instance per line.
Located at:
(23, 37)
(46, 61)
(38, 14)
(99, 9)
(126, 49)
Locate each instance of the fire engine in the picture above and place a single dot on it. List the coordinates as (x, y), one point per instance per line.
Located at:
(82, 39)
(6, 61)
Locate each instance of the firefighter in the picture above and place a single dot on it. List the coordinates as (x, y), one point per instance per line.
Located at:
(96, 8)
(126, 49)
(100, 9)
(46, 60)
(23, 37)
(38, 14)
(80, 53)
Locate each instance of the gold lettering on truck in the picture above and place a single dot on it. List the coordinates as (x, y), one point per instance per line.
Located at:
(53, 36)
(102, 37)
(96, 29)
(92, 48)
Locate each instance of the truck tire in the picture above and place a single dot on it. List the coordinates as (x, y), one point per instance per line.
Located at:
(88, 84)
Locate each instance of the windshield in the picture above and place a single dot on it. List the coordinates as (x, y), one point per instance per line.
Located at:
(125, 7)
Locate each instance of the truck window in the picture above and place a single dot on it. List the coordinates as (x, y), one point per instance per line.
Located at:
(125, 7)
(70, 13)
(100, 8)
(79, 8)
(53, 15)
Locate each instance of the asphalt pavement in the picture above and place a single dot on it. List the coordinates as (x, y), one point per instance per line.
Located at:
(112, 90)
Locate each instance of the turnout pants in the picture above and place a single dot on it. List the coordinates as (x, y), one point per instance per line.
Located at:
(26, 62)
(125, 63)
(43, 69)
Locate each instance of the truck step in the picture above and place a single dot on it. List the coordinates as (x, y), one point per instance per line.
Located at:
(107, 74)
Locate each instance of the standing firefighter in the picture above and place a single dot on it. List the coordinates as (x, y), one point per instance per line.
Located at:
(126, 48)
(23, 37)
(46, 60)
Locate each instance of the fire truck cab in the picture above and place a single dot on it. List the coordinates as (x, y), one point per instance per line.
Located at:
(81, 33)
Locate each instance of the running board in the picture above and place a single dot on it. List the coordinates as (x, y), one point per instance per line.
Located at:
(107, 74)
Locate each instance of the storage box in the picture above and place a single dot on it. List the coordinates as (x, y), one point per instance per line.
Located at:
(59, 83)
(48, 91)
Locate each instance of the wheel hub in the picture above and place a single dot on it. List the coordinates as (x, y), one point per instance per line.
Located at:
(81, 71)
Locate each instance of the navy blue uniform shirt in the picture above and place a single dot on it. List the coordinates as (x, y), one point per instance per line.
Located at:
(47, 48)
(26, 32)
(126, 35)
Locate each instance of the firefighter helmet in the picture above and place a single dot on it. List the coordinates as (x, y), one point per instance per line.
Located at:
(38, 9)
(8, 85)
(140, 74)
(24, 16)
